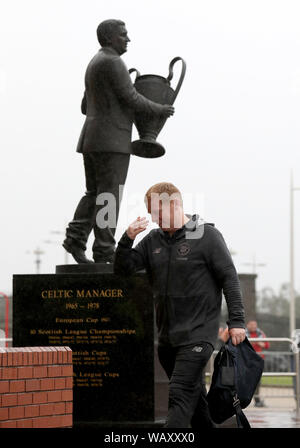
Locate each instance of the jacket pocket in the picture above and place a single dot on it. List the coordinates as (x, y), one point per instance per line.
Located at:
(185, 315)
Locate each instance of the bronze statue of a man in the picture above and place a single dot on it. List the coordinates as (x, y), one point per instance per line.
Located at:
(109, 103)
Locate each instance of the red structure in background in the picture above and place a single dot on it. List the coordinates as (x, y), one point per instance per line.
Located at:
(6, 315)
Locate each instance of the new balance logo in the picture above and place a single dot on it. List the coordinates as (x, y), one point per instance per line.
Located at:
(197, 349)
(157, 250)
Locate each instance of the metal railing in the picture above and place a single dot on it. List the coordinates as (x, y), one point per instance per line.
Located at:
(6, 340)
(5, 297)
(294, 374)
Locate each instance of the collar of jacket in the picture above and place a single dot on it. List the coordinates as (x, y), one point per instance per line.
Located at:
(189, 226)
(109, 50)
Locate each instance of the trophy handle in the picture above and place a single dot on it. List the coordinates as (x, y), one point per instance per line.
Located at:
(134, 70)
(183, 70)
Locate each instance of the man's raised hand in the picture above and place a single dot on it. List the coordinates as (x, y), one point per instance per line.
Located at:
(139, 225)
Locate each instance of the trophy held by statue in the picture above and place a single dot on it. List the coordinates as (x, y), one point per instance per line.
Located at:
(155, 88)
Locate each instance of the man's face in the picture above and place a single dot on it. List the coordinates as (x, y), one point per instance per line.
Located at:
(252, 326)
(163, 213)
(120, 40)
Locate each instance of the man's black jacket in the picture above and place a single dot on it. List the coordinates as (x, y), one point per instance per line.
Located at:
(187, 272)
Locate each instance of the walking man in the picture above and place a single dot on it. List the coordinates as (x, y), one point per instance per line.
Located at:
(188, 265)
(109, 103)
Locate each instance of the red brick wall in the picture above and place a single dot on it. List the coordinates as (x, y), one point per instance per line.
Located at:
(36, 387)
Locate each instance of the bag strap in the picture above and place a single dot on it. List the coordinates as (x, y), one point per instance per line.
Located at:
(241, 419)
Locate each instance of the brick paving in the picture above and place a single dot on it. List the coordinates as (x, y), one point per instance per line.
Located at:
(280, 410)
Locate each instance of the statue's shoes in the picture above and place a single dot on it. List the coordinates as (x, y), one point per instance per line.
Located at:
(108, 259)
(76, 252)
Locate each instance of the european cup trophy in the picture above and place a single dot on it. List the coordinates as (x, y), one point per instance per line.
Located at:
(158, 89)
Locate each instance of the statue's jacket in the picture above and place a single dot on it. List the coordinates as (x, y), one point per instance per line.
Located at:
(110, 103)
(188, 273)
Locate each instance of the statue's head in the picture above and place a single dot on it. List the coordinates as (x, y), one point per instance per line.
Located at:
(112, 33)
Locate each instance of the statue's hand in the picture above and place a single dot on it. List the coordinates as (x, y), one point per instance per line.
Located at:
(139, 225)
(167, 110)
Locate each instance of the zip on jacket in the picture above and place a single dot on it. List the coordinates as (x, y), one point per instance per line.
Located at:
(188, 273)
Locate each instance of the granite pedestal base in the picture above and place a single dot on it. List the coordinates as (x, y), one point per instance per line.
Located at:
(107, 321)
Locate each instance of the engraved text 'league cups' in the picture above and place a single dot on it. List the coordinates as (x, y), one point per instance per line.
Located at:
(155, 88)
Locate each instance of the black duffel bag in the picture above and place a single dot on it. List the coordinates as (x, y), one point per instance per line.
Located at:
(237, 372)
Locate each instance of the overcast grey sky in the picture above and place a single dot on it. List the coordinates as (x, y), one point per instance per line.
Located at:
(229, 147)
